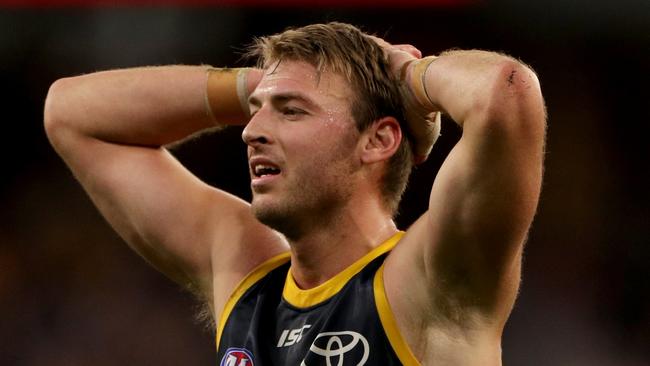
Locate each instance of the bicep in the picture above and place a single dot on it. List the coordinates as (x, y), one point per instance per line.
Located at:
(484, 199)
(483, 202)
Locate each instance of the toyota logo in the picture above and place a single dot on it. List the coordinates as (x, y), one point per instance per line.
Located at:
(336, 346)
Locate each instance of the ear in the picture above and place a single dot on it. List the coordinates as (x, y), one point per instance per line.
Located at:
(381, 140)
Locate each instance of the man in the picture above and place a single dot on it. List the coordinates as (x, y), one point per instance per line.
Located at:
(314, 270)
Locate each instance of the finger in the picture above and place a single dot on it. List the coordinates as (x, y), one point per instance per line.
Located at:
(408, 48)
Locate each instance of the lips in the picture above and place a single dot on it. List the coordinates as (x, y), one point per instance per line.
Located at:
(263, 170)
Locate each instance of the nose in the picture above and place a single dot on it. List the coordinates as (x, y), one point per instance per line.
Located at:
(256, 131)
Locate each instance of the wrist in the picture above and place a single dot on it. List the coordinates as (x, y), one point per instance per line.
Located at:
(226, 94)
(253, 77)
(413, 75)
(421, 114)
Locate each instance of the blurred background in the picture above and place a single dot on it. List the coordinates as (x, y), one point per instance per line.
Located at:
(71, 293)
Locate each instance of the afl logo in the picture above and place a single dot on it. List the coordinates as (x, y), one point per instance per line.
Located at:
(237, 357)
(339, 348)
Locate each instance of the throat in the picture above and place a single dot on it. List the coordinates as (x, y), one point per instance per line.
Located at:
(311, 268)
(315, 262)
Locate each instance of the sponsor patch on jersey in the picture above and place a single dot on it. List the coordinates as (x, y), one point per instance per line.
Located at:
(290, 337)
(338, 348)
(237, 357)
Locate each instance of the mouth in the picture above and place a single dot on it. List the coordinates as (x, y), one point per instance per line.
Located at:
(264, 170)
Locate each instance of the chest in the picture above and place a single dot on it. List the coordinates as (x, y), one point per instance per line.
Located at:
(346, 329)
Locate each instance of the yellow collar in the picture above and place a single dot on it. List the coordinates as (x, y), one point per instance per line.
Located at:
(300, 298)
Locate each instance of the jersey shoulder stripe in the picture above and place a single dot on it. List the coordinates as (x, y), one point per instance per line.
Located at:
(389, 323)
(253, 277)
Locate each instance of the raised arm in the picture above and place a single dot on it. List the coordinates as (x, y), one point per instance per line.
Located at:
(110, 128)
(486, 193)
(459, 265)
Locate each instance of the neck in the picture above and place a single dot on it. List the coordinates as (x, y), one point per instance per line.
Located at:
(330, 247)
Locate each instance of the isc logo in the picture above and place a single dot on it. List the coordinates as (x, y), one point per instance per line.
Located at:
(289, 337)
(237, 357)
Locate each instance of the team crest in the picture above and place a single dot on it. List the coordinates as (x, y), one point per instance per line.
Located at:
(237, 357)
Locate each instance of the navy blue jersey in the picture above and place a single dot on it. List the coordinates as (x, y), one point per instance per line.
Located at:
(345, 321)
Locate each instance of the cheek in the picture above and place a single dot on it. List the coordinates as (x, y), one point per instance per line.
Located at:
(326, 148)
(325, 141)
(306, 142)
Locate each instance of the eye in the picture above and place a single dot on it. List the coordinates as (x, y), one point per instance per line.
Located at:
(293, 113)
(252, 109)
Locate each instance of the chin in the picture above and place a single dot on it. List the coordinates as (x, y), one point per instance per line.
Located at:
(262, 206)
(275, 216)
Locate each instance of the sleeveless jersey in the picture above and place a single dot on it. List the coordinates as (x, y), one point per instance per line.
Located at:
(345, 321)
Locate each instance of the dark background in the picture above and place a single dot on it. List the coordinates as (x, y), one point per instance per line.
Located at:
(71, 293)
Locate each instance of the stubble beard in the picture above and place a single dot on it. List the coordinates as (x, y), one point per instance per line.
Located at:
(306, 203)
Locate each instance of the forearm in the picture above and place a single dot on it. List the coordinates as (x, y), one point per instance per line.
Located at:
(479, 86)
(149, 106)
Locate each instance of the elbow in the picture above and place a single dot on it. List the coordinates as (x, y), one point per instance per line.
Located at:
(55, 112)
(511, 102)
(516, 96)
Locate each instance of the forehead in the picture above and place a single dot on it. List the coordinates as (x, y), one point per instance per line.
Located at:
(301, 77)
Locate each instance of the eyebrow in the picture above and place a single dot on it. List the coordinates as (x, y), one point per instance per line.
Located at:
(281, 98)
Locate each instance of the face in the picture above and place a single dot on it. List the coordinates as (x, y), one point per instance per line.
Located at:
(302, 143)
